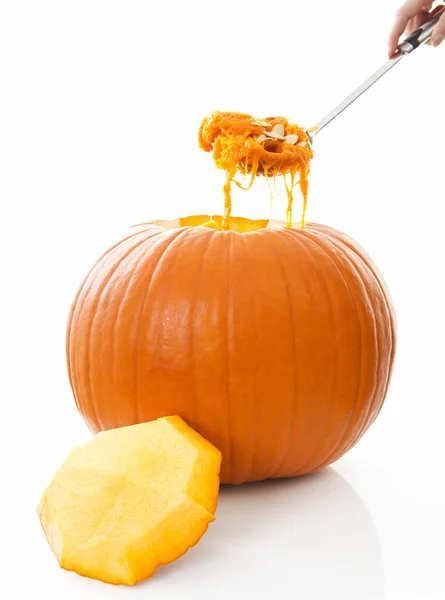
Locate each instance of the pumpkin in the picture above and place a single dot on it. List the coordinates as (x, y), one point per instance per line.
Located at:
(274, 343)
(131, 499)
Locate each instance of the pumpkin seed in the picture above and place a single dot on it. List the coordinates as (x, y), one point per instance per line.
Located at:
(292, 138)
(262, 123)
(278, 130)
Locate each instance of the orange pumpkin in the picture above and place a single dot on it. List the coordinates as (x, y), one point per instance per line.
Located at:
(275, 344)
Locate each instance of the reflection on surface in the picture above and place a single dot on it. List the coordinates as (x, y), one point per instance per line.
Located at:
(310, 537)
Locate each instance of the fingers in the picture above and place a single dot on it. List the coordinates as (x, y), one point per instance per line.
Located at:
(413, 24)
(398, 28)
(438, 35)
(416, 22)
(404, 14)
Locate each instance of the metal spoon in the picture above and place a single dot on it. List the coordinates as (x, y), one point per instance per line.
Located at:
(413, 41)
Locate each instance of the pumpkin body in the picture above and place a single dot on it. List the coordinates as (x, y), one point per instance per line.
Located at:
(276, 345)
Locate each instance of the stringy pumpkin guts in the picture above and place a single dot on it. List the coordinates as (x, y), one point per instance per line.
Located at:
(244, 145)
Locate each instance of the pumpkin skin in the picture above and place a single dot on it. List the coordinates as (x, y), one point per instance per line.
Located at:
(276, 345)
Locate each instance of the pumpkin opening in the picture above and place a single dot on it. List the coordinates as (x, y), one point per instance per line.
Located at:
(237, 224)
(247, 147)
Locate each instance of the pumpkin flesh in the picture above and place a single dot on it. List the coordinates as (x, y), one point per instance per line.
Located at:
(130, 500)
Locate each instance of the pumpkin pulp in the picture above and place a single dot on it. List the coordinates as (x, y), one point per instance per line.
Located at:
(242, 145)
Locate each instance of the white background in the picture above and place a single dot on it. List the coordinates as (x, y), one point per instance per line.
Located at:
(92, 93)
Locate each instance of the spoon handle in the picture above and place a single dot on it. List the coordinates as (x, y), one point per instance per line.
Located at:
(413, 41)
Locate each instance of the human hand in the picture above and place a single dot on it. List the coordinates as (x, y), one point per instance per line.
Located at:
(411, 15)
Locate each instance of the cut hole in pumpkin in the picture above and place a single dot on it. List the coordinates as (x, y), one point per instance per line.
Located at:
(247, 147)
(236, 224)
